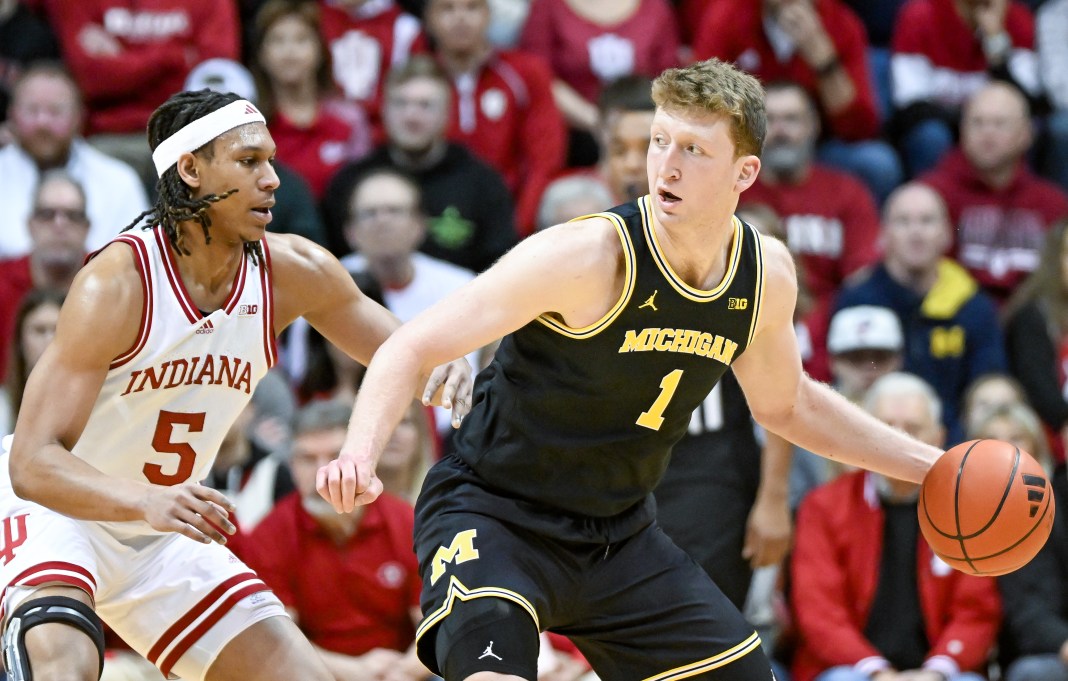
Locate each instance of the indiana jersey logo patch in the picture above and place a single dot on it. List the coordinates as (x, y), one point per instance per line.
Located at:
(460, 550)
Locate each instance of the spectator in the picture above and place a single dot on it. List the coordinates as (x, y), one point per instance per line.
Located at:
(129, 58)
(46, 116)
(820, 45)
(879, 18)
(34, 325)
(865, 342)
(943, 52)
(471, 221)
(1000, 209)
(987, 394)
(502, 103)
(384, 230)
(1034, 642)
(294, 211)
(355, 591)
(1051, 26)
(952, 335)
(368, 39)
(831, 219)
(869, 598)
(589, 44)
(24, 39)
(315, 132)
(58, 227)
(570, 197)
(626, 111)
(1036, 334)
(1017, 424)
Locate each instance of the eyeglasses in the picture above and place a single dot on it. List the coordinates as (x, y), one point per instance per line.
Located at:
(385, 211)
(69, 214)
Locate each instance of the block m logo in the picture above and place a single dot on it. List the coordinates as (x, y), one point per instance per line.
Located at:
(461, 550)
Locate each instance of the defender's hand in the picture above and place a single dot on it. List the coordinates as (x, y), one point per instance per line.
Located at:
(456, 393)
(191, 509)
(348, 482)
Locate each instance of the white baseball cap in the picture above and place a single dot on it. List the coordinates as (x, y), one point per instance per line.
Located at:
(222, 75)
(864, 327)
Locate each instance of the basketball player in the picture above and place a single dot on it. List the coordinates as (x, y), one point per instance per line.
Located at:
(168, 330)
(619, 325)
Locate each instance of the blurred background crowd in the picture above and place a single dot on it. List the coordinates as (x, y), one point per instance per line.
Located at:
(916, 164)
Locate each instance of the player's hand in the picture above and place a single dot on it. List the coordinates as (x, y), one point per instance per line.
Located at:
(767, 532)
(456, 382)
(199, 512)
(348, 482)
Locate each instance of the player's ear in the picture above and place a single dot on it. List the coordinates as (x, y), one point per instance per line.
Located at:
(188, 170)
(748, 169)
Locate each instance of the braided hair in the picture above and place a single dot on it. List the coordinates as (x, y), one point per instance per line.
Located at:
(175, 203)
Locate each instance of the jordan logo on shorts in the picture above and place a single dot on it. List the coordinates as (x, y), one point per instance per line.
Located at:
(488, 652)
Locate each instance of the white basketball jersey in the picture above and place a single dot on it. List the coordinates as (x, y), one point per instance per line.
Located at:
(169, 400)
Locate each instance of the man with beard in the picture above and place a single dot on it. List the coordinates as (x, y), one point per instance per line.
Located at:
(831, 221)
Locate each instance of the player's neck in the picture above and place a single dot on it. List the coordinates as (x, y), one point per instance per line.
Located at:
(209, 268)
(696, 254)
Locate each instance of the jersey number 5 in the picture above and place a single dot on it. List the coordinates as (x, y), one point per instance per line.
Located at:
(653, 418)
(161, 442)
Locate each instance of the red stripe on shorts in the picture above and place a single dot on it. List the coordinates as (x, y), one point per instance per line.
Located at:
(196, 611)
(193, 636)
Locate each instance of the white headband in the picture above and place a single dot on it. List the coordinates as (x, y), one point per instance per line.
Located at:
(203, 130)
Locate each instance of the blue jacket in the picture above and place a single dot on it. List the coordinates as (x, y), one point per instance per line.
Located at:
(952, 334)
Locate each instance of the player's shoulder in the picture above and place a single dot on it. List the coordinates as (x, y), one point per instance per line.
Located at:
(113, 276)
(585, 242)
(779, 264)
(295, 254)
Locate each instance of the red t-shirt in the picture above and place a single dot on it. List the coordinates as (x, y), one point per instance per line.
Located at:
(588, 56)
(733, 30)
(506, 115)
(831, 223)
(15, 283)
(161, 41)
(365, 43)
(1000, 233)
(339, 134)
(349, 599)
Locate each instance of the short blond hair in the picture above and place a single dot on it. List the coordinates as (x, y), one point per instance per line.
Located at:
(716, 87)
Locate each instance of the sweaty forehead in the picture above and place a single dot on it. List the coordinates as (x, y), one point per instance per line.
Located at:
(248, 136)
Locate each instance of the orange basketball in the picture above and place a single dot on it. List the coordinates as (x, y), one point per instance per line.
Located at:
(986, 507)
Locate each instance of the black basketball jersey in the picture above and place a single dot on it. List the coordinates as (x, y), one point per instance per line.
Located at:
(583, 420)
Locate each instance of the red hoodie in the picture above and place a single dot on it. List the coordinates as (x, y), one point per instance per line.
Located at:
(999, 232)
(161, 40)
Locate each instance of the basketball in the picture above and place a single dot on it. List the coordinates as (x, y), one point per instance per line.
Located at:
(986, 507)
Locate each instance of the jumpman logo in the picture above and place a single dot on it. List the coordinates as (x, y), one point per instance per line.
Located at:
(488, 652)
(651, 302)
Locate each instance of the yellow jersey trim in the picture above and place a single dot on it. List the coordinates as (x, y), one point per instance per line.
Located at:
(629, 278)
(457, 591)
(687, 291)
(758, 295)
(716, 661)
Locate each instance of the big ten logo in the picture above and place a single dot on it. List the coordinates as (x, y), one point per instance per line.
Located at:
(247, 310)
(460, 550)
(13, 537)
(737, 303)
(947, 341)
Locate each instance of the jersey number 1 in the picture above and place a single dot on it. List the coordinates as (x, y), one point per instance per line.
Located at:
(161, 442)
(653, 418)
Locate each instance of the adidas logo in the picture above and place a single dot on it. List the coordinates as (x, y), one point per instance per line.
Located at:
(1036, 491)
(206, 327)
(249, 109)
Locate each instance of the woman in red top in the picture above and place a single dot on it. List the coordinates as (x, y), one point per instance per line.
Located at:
(315, 130)
(590, 43)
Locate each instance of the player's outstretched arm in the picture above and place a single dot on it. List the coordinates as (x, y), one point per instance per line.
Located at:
(786, 401)
(310, 282)
(572, 270)
(98, 322)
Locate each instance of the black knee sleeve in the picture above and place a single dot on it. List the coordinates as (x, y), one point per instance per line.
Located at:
(36, 611)
(487, 635)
